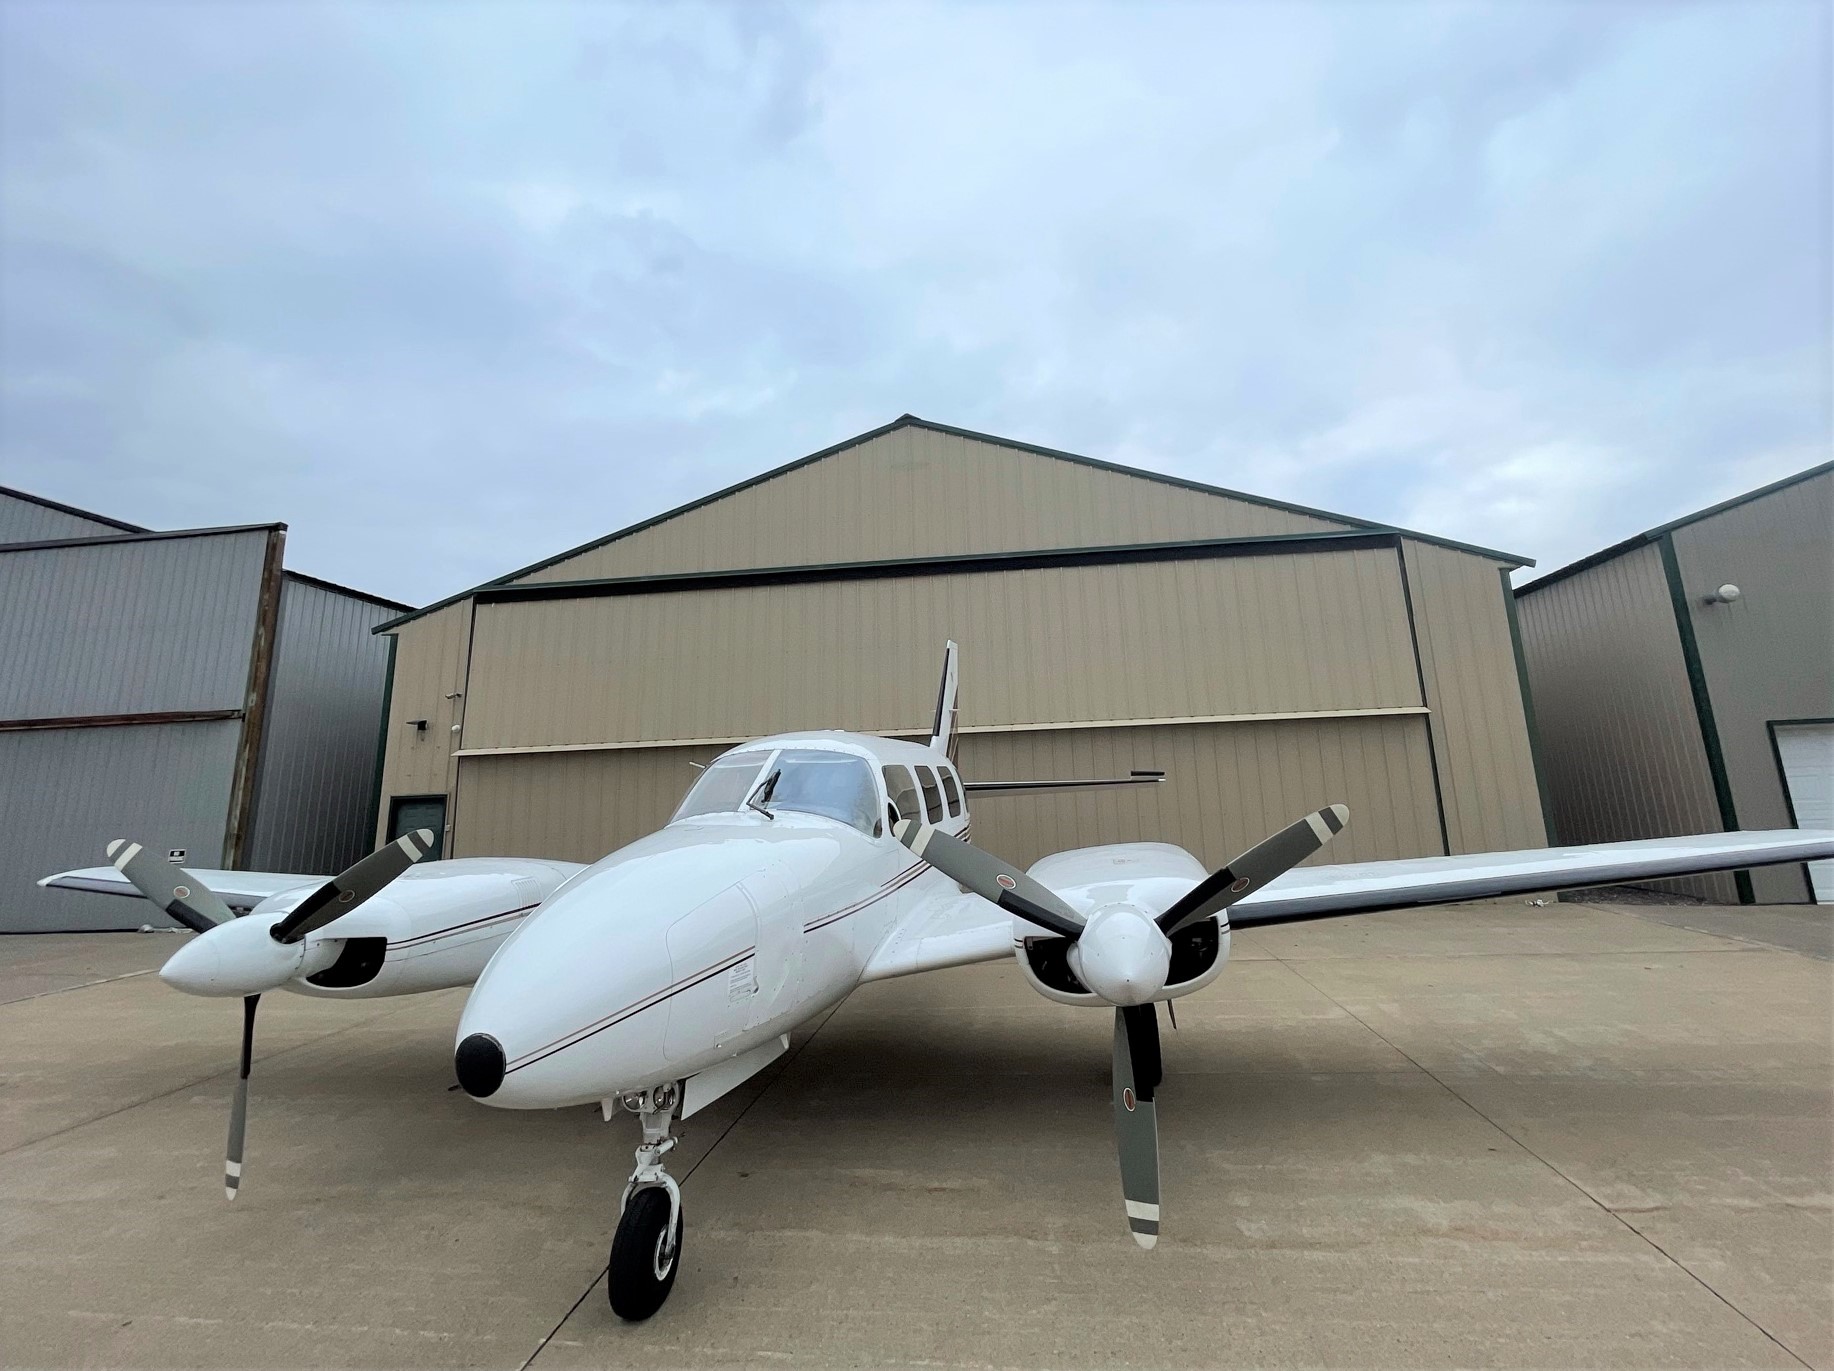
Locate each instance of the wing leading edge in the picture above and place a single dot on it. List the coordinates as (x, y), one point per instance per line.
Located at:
(961, 930)
(240, 890)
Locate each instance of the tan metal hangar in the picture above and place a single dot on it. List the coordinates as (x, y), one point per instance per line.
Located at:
(1267, 657)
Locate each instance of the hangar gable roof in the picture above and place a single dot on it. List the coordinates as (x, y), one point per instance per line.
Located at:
(914, 489)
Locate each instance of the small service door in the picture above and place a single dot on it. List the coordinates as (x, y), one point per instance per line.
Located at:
(1807, 754)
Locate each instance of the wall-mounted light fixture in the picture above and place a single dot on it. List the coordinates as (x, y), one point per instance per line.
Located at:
(1725, 595)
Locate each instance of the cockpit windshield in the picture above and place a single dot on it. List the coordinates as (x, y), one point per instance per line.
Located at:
(723, 786)
(835, 784)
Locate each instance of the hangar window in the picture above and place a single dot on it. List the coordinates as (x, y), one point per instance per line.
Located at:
(723, 786)
(951, 792)
(836, 785)
(932, 794)
(901, 791)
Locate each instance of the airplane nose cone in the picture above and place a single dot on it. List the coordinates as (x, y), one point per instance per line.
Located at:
(479, 1063)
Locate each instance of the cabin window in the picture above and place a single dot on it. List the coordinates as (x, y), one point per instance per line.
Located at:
(951, 792)
(901, 793)
(723, 786)
(836, 785)
(932, 793)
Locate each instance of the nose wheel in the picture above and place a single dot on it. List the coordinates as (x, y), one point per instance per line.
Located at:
(646, 1250)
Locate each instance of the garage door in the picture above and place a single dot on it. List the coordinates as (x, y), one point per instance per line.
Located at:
(1807, 754)
(66, 791)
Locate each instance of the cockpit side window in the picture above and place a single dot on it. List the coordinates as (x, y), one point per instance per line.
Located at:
(723, 786)
(951, 792)
(932, 793)
(901, 792)
(837, 785)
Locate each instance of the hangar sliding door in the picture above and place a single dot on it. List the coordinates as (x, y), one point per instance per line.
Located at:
(163, 785)
(1265, 681)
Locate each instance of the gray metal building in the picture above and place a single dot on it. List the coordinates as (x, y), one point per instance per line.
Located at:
(1664, 707)
(181, 689)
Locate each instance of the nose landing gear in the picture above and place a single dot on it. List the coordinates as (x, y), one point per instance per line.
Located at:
(646, 1250)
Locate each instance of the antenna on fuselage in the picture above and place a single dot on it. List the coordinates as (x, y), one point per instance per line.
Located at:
(942, 734)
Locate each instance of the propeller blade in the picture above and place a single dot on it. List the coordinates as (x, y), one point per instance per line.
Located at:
(1267, 859)
(989, 877)
(238, 1111)
(1137, 1073)
(172, 888)
(350, 888)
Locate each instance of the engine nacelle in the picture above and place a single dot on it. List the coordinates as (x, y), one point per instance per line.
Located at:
(1198, 955)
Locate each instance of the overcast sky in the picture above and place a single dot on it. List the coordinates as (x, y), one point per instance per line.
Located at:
(449, 289)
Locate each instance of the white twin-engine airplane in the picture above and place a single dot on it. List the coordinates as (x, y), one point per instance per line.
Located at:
(797, 868)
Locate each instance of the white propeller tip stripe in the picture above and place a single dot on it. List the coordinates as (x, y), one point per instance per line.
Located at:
(409, 843)
(1140, 1209)
(128, 853)
(229, 1192)
(1147, 1240)
(1320, 829)
(233, 1169)
(114, 845)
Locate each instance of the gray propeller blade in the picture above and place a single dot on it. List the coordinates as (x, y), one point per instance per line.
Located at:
(1137, 1074)
(989, 877)
(351, 887)
(172, 888)
(1256, 867)
(238, 1111)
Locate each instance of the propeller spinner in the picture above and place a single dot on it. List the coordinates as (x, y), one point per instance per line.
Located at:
(1123, 955)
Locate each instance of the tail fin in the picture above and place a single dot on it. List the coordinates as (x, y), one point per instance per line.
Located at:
(942, 736)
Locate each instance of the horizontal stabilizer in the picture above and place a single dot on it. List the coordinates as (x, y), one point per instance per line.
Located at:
(1037, 787)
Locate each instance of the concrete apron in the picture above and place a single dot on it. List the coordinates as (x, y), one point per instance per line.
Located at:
(1507, 1136)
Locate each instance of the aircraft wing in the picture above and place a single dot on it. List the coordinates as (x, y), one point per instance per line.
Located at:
(961, 929)
(240, 890)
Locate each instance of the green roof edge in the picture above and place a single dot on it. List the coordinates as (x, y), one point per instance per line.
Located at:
(1637, 540)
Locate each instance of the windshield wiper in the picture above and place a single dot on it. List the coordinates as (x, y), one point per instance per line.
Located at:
(762, 795)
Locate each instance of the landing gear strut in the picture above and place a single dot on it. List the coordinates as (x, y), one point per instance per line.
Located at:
(646, 1251)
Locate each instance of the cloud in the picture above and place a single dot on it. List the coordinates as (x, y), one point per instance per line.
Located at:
(450, 289)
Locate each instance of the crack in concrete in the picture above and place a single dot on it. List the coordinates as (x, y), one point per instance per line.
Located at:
(1599, 1204)
(781, 1068)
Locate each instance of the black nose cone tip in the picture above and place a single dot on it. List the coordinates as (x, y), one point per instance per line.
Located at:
(479, 1063)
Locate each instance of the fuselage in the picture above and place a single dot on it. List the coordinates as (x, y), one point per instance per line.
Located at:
(755, 909)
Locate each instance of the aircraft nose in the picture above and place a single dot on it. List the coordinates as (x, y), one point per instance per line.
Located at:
(479, 1063)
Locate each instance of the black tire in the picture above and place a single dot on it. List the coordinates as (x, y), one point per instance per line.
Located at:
(641, 1274)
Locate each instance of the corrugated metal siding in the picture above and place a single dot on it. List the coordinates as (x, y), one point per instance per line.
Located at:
(129, 628)
(27, 521)
(1620, 742)
(1769, 655)
(429, 666)
(318, 750)
(1228, 786)
(916, 492)
(64, 793)
(1248, 635)
(1480, 733)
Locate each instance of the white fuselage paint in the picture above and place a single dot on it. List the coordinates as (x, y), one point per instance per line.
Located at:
(697, 943)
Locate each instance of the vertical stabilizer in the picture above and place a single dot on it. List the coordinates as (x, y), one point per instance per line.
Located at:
(942, 736)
